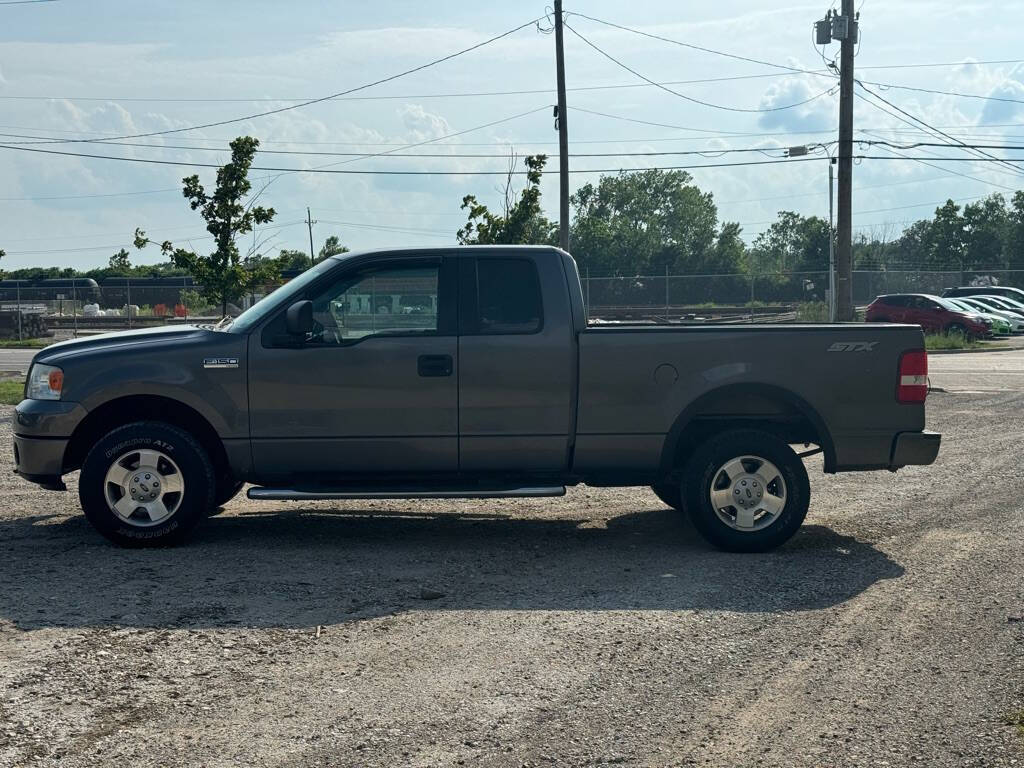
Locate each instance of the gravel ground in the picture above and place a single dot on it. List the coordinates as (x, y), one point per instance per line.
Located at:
(594, 630)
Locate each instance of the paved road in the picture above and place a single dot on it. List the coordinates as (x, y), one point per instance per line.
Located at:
(16, 359)
(978, 372)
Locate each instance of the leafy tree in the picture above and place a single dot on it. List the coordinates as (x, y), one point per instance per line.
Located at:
(291, 260)
(986, 232)
(1015, 232)
(913, 245)
(947, 245)
(332, 247)
(119, 263)
(643, 222)
(793, 243)
(523, 221)
(223, 275)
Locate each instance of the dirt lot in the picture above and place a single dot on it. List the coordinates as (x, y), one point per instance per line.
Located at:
(595, 630)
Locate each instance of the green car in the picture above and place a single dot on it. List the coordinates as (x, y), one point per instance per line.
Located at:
(1000, 325)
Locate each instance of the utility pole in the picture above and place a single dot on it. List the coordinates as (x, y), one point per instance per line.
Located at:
(844, 28)
(844, 256)
(831, 243)
(310, 223)
(563, 134)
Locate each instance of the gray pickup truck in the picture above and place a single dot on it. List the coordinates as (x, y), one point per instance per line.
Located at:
(465, 373)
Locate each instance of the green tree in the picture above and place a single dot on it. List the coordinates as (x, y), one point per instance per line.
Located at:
(947, 241)
(793, 243)
(291, 259)
(912, 247)
(645, 222)
(986, 233)
(523, 221)
(332, 247)
(1015, 232)
(223, 275)
(119, 263)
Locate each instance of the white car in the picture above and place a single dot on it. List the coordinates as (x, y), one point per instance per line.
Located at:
(976, 304)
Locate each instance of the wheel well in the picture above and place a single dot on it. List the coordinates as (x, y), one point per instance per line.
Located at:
(745, 407)
(125, 410)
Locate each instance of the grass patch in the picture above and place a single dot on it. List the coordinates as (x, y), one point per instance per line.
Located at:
(1015, 719)
(812, 312)
(12, 391)
(26, 344)
(934, 341)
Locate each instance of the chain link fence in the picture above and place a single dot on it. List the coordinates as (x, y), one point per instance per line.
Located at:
(29, 309)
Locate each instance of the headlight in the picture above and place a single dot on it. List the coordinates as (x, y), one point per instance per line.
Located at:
(45, 382)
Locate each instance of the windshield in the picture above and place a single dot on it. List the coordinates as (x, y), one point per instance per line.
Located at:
(273, 301)
(962, 306)
(949, 304)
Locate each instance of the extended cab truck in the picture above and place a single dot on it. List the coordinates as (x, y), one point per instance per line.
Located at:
(465, 372)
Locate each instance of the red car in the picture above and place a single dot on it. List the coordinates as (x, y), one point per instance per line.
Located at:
(932, 313)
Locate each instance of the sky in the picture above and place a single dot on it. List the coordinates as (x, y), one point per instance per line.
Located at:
(89, 69)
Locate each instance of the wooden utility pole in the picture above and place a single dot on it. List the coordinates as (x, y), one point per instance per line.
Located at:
(844, 233)
(309, 223)
(563, 134)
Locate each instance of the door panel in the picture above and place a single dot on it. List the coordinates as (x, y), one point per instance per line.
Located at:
(374, 389)
(517, 371)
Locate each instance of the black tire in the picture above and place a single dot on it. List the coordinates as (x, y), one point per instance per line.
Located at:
(189, 506)
(670, 493)
(703, 470)
(227, 489)
(956, 328)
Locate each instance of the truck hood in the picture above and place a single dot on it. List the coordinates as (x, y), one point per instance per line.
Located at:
(140, 337)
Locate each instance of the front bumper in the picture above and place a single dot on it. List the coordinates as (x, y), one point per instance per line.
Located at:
(914, 448)
(40, 460)
(42, 430)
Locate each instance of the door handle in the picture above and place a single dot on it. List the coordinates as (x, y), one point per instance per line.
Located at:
(434, 365)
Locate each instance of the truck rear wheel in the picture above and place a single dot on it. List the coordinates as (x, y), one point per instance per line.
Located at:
(746, 490)
(146, 484)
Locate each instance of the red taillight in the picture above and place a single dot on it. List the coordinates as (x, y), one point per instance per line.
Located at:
(912, 377)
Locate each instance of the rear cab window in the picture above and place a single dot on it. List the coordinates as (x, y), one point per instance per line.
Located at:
(504, 297)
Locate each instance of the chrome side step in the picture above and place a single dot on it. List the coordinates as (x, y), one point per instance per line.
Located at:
(293, 494)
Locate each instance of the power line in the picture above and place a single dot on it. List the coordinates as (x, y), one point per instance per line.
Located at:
(435, 155)
(924, 162)
(25, 2)
(325, 169)
(687, 45)
(684, 96)
(310, 102)
(888, 86)
(983, 154)
(391, 97)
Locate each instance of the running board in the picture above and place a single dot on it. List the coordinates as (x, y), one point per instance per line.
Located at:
(293, 494)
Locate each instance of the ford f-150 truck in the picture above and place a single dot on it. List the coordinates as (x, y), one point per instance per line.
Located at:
(465, 372)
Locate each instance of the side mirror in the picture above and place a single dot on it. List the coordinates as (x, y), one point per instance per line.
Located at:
(299, 318)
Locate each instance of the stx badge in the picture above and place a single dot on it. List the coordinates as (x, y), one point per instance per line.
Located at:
(853, 346)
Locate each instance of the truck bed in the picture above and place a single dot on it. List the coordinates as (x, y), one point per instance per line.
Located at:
(639, 383)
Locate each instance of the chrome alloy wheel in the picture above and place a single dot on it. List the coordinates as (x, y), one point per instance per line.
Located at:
(144, 487)
(748, 493)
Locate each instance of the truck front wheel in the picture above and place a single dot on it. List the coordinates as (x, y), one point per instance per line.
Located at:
(746, 490)
(146, 484)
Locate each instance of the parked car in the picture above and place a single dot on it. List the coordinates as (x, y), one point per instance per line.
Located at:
(997, 307)
(992, 302)
(985, 290)
(932, 313)
(1003, 323)
(501, 389)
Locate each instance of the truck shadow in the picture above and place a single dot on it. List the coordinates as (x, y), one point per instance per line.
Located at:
(311, 567)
